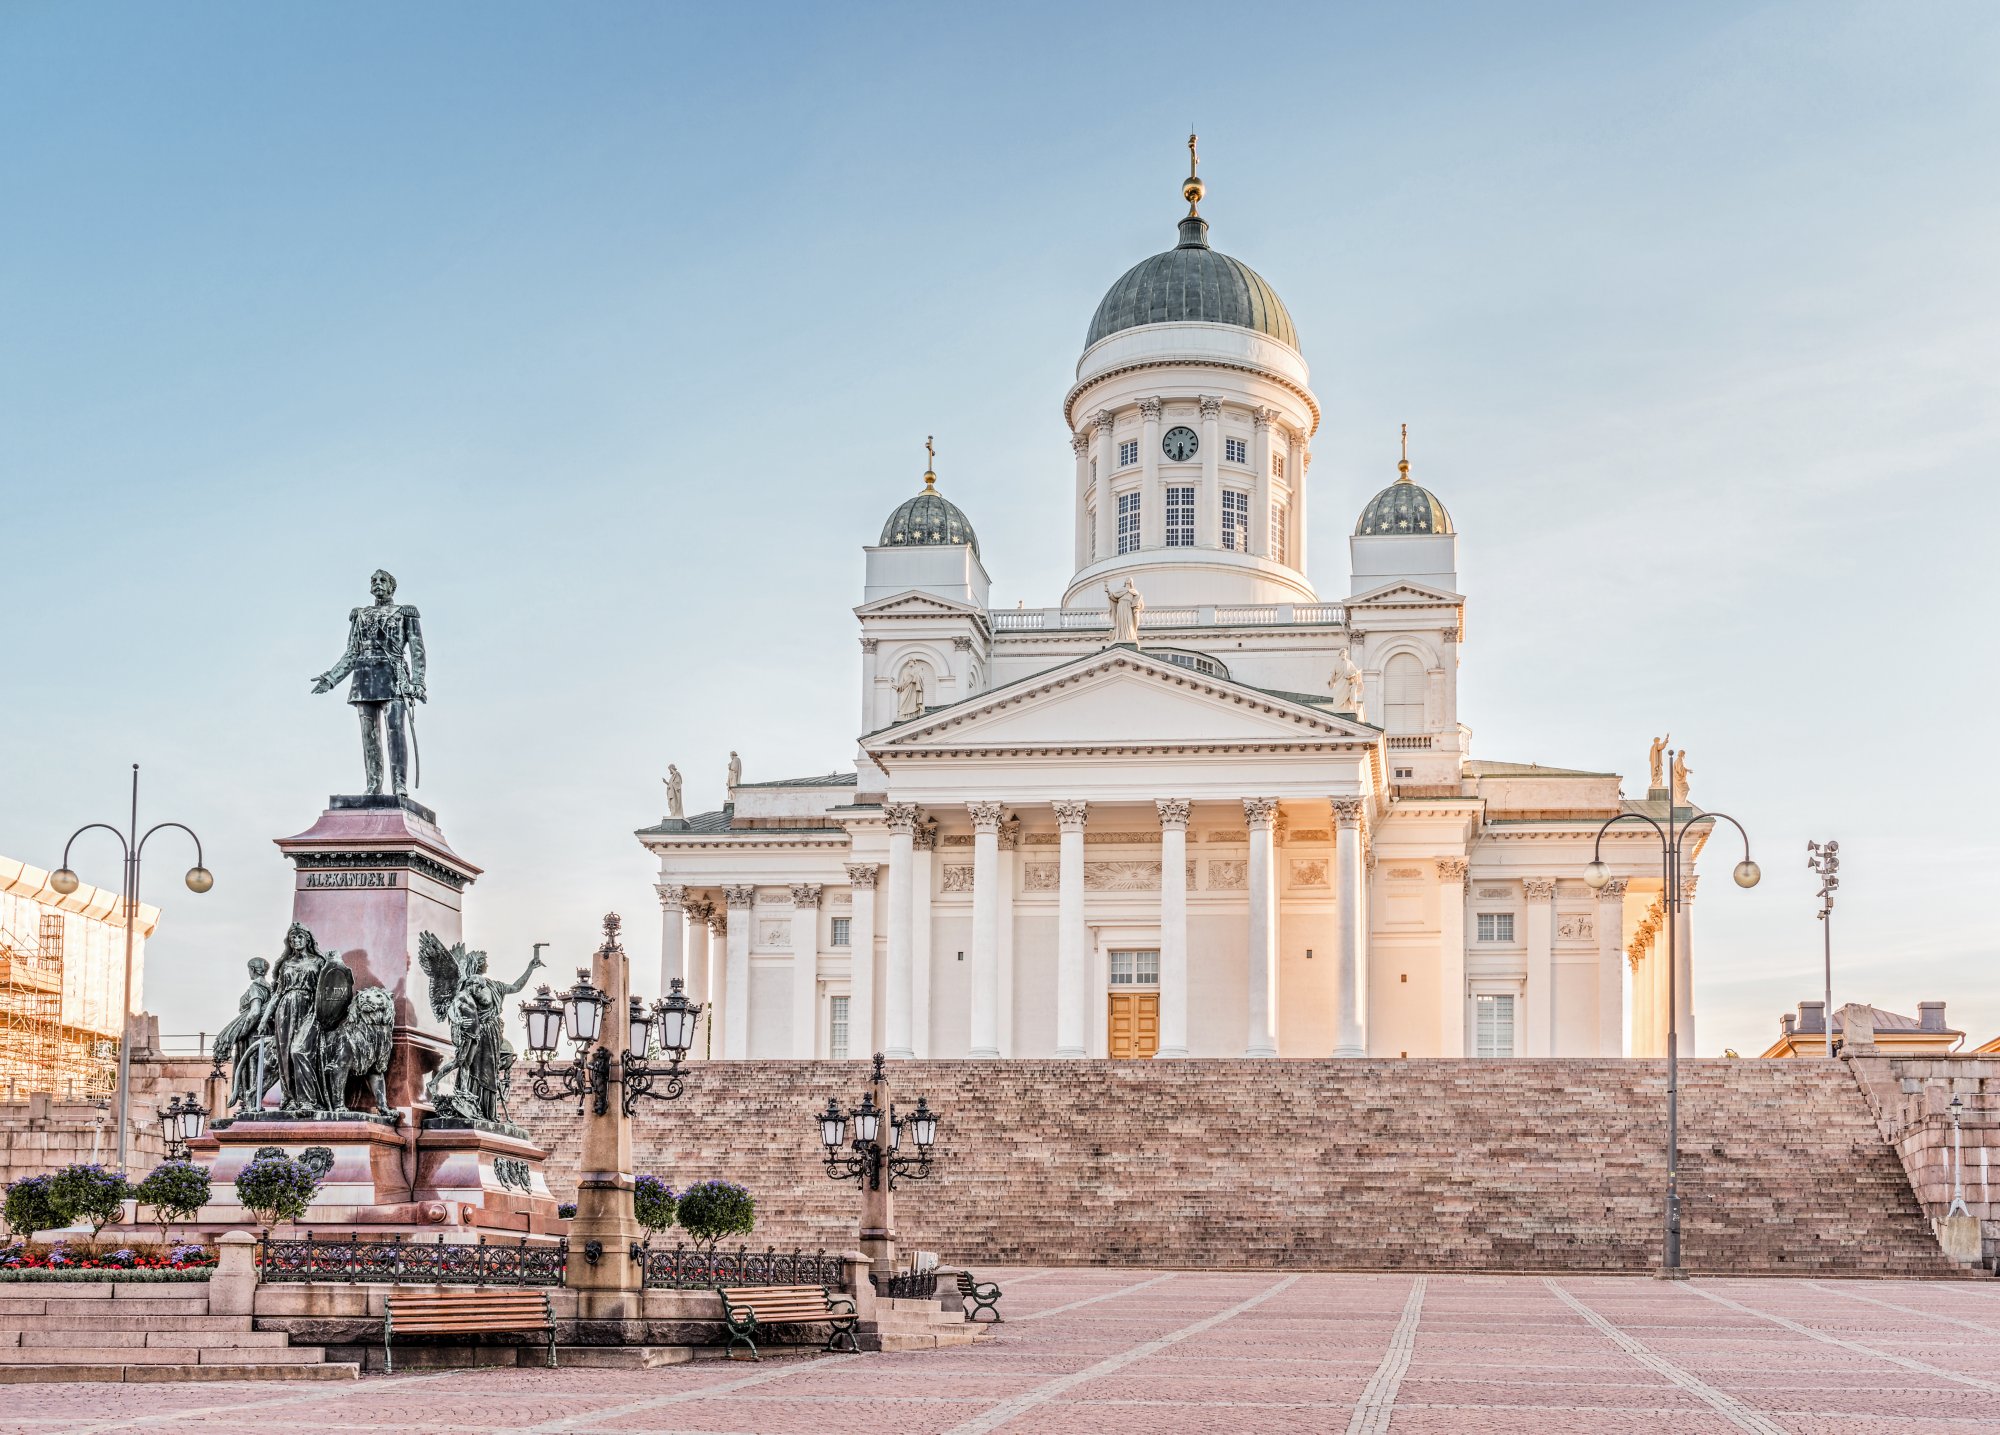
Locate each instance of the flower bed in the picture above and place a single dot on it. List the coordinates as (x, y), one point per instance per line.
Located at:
(180, 1262)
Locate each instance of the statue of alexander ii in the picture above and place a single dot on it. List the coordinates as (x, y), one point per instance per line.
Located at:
(385, 655)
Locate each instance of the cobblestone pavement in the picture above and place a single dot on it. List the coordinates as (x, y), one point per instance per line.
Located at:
(1118, 1352)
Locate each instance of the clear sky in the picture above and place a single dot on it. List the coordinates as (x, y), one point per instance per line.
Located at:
(615, 330)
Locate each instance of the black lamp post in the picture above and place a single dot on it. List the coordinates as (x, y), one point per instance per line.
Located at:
(666, 1027)
(1672, 838)
(65, 881)
(875, 1158)
(1823, 858)
(182, 1120)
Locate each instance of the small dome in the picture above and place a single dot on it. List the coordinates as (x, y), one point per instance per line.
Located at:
(1405, 507)
(930, 520)
(1192, 284)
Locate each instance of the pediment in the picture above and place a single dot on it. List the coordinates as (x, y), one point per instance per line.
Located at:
(916, 604)
(1121, 700)
(1402, 594)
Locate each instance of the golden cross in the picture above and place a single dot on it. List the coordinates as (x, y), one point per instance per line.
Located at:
(930, 453)
(1406, 443)
(1194, 160)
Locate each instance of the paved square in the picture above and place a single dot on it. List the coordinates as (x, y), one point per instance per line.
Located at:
(1124, 1352)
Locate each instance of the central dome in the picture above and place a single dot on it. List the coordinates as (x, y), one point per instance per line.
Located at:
(1193, 284)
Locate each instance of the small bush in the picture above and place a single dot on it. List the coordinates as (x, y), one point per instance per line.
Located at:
(710, 1210)
(30, 1208)
(89, 1193)
(566, 1211)
(654, 1203)
(175, 1191)
(276, 1188)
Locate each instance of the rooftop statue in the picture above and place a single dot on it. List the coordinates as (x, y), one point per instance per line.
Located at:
(673, 782)
(1655, 758)
(1126, 606)
(910, 693)
(385, 655)
(469, 1001)
(1347, 684)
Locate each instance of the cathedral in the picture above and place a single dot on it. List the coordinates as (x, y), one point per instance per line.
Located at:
(1194, 809)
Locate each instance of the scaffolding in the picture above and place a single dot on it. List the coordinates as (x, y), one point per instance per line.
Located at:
(38, 1051)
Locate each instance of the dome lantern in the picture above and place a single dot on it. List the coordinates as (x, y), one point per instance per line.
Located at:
(930, 520)
(1405, 508)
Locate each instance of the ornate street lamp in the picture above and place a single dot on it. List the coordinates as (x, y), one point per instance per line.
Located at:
(1747, 874)
(182, 1120)
(667, 1028)
(875, 1158)
(1823, 858)
(1957, 1207)
(65, 881)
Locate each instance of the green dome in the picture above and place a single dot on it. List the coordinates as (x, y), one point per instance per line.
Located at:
(1404, 507)
(1192, 284)
(930, 520)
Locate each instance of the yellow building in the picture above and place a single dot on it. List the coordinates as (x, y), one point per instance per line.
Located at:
(1891, 1033)
(62, 970)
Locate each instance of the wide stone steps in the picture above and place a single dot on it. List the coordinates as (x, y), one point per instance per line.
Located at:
(102, 1332)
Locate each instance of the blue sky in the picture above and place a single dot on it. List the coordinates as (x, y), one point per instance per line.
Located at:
(614, 331)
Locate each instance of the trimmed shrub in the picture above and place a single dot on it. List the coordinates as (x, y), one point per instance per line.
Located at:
(89, 1193)
(566, 1211)
(276, 1188)
(30, 1208)
(175, 1191)
(654, 1203)
(710, 1210)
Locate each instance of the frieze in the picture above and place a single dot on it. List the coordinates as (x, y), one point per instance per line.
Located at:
(1406, 872)
(957, 879)
(409, 861)
(955, 839)
(1134, 875)
(1496, 892)
(1041, 877)
(1239, 835)
(1228, 875)
(1308, 872)
(1122, 839)
(1312, 834)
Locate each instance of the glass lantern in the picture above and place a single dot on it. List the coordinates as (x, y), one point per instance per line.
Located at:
(676, 1016)
(867, 1121)
(543, 1015)
(638, 1029)
(924, 1125)
(583, 1010)
(832, 1125)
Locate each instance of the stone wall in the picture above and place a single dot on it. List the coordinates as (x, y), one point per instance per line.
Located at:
(1911, 1098)
(1439, 1165)
(43, 1133)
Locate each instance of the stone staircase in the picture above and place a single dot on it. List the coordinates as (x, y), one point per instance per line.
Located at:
(916, 1325)
(1526, 1165)
(113, 1332)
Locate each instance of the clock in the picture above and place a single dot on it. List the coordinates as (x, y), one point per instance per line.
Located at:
(1180, 443)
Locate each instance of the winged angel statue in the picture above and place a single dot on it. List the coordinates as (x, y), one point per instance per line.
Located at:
(470, 1003)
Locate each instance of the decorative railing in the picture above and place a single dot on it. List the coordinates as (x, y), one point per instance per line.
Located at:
(1251, 615)
(1420, 742)
(692, 1268)
(402, 1262)
(907, 1285)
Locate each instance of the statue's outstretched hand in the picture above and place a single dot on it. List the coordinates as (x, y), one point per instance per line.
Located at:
(322, 684)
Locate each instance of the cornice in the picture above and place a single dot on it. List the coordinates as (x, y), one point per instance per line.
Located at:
(1292, 386)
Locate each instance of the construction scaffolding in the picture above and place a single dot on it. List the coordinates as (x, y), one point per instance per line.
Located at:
(38, 1052)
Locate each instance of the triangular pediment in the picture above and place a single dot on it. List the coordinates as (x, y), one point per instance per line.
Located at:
(1121, 699)
(916, 604)
(1404, 594)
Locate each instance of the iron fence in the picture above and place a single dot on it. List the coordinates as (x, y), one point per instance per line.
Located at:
(907, 1285)
(402, 1262)
(692, 1268)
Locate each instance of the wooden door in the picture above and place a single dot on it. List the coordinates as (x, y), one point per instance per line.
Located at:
(1134, 1025)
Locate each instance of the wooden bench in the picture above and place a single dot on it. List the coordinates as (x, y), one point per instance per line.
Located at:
(750, 1310)
(467, 1312)
(984, 1295)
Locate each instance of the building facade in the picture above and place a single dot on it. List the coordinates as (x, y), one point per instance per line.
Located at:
(1195, 809)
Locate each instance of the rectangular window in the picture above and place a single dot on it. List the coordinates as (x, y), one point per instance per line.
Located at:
(1277, 464)
(841, 927)
(1128, 453)
(1235, 520)
(1135, 969)
(1405, 774)
(1180, 517)
(1496, 926)
(836, 1028)
(1281, 517)
(1090, 529)
(1493, 1026)
(1235, 450)
(1128, 522)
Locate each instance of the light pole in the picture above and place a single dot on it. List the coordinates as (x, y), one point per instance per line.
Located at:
(604, 1218)
(1596, 874)
(876, 1160)
(1824, 859)
(1957, 1207)
(199, 879)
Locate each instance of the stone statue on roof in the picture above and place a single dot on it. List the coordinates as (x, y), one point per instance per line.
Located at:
(1656, 759)
(910, 693)
(673, 782)
(735, 770)
(1680, 778)
(1126, 606)
(1346, 683)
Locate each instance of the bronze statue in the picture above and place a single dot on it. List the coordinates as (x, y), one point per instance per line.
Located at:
(470, 1002)
(318, 1036)
(240, 1044)
(385, 655)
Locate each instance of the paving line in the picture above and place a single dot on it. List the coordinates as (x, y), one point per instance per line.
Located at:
(304, 1397)
(1854, 1345)
(680, 1397)
(1014, 1405)
(1087, 1300)
(1378, 1400)
(1725, 1404)
(1906, 1309)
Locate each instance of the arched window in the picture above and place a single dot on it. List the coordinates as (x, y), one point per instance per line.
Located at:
(1403, 694)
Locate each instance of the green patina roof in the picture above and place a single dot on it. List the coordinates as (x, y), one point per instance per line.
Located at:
(1404, 507)
(930, 520)
(1192, 283)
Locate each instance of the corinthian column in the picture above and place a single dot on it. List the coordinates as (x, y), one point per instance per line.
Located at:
(898, 988)
(1452, 995)
(1350, 1037)
(1173, 927)
(1080, 446)
(1683, 958)
(698, 913)
(923, 842)
(1153, 506)
(1208, 503)
(861, 958)
(985, 1013)
(1260, 813)
(673, 933)
(1072, 937)
(1260, 495)
(805, 970)
(1611, 968)
(1107, 507)
(736, 1011)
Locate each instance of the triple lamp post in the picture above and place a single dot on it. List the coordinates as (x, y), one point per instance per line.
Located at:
(876, 1159)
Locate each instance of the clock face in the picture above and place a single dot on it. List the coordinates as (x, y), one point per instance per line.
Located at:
(1180, 443)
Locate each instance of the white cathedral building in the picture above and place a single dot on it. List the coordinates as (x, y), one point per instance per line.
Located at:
(1217, 815)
